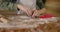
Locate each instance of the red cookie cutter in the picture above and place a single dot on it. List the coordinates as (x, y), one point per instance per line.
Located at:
(46, 16)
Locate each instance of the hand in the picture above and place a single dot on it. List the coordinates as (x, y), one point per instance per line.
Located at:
(28, 11)
(25, 9)
(36, 14)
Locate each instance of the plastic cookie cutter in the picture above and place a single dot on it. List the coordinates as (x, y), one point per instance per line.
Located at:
(46, 16)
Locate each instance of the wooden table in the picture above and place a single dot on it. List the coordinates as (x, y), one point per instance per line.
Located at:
(30, 25)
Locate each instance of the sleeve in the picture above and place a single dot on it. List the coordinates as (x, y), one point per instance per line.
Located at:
(40, 4)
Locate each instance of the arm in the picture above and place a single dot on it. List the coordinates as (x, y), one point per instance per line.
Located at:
(42, 11)
(21, 7)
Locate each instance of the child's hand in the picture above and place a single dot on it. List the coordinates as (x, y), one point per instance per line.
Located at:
(25, 9)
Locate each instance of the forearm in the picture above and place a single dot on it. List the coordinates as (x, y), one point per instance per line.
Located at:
(42, 11)
(21, 7)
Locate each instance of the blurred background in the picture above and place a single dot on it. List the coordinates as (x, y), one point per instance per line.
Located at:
(8, 7)
(53, 7)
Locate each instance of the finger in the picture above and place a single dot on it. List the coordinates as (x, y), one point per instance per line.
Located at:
(35, 14)
(29, 12)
